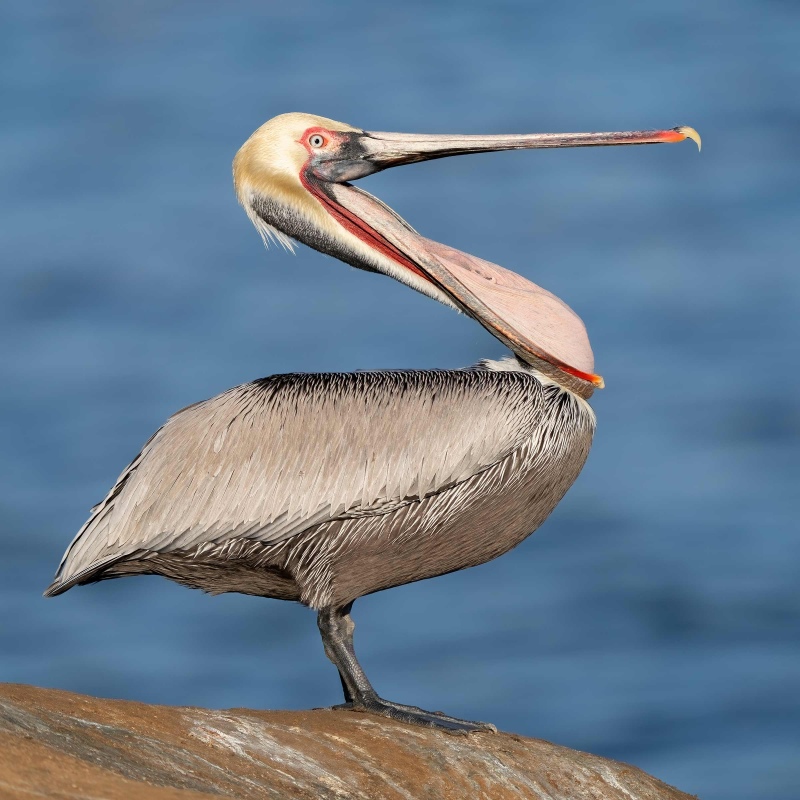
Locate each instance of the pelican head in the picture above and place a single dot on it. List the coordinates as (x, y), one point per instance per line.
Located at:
(292, 176)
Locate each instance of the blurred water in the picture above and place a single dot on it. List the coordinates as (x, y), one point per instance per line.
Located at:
(655, 617)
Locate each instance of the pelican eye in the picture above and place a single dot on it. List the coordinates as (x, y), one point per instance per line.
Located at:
(316, 140)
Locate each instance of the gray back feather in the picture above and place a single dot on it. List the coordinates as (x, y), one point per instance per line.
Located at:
(269, 459)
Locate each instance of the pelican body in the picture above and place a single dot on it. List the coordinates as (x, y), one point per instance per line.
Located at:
(322, 488)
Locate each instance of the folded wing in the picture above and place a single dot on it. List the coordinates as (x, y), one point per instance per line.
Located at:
(269, 459)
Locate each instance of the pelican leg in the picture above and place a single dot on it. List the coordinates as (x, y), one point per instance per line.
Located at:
(336, 628)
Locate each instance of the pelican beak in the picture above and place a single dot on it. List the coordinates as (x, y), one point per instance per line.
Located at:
(364, 153)
(539, 327)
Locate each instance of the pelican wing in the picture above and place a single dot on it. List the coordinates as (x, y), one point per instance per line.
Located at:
(269, 459)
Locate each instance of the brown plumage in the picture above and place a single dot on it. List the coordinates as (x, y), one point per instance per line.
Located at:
(322, 488)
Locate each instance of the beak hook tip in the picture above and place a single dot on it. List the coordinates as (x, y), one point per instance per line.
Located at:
(690, 133)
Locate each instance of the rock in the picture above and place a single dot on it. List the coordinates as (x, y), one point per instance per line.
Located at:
(55, 744)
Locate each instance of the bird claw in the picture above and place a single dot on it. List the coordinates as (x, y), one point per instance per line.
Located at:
(413, 715)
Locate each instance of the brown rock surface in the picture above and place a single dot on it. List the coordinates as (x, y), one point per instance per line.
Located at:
(55, 744)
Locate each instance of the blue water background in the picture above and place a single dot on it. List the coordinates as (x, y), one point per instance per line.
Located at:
(655, 618)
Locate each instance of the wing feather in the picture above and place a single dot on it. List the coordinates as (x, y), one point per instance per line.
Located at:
(270, 459)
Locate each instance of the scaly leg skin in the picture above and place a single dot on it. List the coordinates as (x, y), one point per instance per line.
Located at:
(337, 628)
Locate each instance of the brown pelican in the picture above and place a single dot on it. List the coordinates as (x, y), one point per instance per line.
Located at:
(322, 488)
